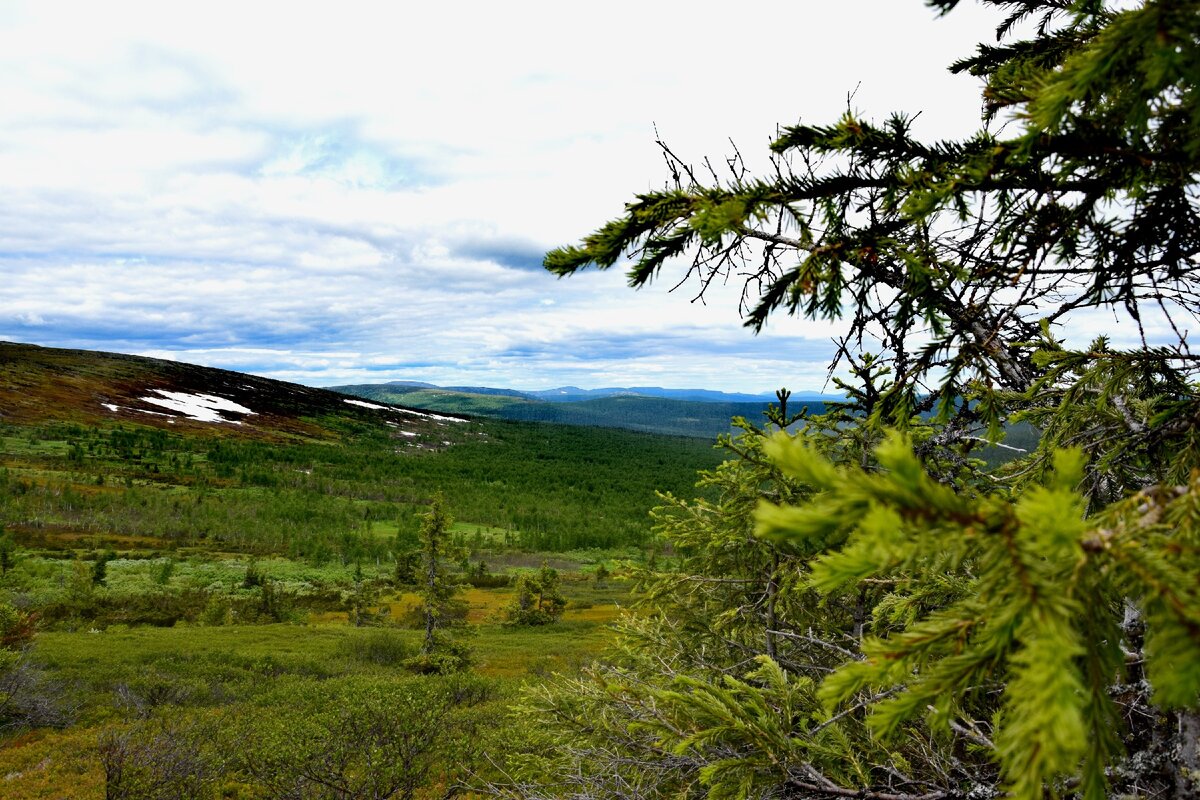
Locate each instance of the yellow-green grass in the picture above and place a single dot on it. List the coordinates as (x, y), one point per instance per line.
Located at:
(46, 764)
(221, 668)
(97, 662)
(486, 606)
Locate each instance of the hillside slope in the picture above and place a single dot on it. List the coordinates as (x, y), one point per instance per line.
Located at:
(436, 398)
(41, 384)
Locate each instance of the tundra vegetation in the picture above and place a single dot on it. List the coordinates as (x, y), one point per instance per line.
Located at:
(853, 605)
(170, 594)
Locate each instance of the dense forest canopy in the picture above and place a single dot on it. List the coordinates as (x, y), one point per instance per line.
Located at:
(867, 611)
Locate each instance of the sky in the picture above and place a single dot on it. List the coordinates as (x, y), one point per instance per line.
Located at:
(363, 192)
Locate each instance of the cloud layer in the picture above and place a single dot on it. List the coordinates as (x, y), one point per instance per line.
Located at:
(365, 194)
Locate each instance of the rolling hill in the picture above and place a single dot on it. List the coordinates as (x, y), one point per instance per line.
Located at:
(42, 384)
(645, 409)
(641, 409)
(572, 394)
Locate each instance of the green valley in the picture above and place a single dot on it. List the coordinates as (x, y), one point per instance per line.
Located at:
(212, 571)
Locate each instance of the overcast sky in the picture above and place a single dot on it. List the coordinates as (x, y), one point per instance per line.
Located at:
(361, 192)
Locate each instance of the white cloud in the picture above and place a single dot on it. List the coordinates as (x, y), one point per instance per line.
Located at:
(363, 193)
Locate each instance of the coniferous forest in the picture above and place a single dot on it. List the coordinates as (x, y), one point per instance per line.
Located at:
(881, 598)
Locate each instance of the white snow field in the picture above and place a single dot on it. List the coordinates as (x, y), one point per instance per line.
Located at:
(200, 407)
(365, 404)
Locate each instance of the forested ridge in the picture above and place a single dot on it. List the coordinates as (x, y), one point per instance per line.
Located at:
(700, 419)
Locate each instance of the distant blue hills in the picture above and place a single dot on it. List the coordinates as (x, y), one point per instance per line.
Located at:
(681, 412)
(573, 394)
(703, 413)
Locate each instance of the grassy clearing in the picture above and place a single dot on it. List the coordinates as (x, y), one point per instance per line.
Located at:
(122, 674)
(45, 764)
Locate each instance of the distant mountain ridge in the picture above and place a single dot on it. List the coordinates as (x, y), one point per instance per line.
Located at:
(412, 385)
(681, 412)
(574, 394)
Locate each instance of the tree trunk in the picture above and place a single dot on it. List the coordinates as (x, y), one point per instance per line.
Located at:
(1186, 754)
(431, 585)
(772, 592)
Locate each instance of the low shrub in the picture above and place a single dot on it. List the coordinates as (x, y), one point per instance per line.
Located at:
(382, 646)
(490, 580)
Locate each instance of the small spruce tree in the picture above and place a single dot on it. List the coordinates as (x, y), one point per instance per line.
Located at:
(537, 600)
(100, 568)
(360, 601)
(406, 568)
(440, 608)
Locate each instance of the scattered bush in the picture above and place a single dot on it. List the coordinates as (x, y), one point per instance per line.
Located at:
(16, 628)
(489, 580)
(218, 611)
(159, 760)
(27, 699)
(364, 738)
(538, 600)
(447, 656)
(382, 646)
(144, 695)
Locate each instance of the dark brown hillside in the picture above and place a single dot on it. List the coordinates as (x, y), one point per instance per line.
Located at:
(42, 384)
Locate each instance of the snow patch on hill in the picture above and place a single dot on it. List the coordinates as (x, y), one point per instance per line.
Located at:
(200, 407)
(409, 411)
(425, 415)
(365, 404)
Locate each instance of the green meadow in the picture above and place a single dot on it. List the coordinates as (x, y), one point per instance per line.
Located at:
(201, 587)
